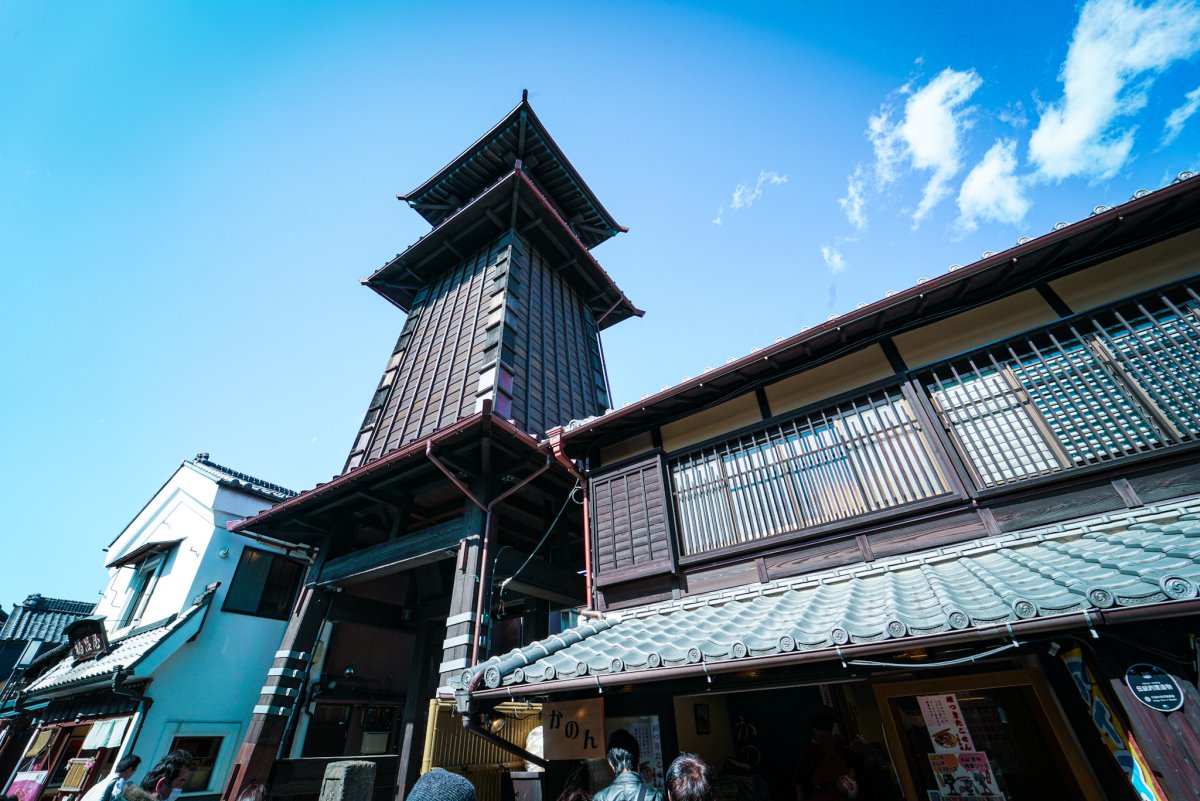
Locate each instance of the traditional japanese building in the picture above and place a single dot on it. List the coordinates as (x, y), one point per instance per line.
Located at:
(965, 516)
(452, 533)
(172, 654)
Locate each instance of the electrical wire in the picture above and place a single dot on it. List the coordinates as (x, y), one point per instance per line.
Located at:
(570, 497)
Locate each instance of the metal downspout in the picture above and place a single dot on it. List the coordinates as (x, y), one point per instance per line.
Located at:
(556, 449)
(484, 567)
(472, 726)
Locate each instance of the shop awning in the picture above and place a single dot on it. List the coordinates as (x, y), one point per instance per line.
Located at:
(39, 742)
(1069, 575)
(137, 654)
(106, 734)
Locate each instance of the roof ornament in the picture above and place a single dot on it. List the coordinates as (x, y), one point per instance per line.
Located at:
(1184, 176)
(952, 268)
(1058, 226)
(1023, 240)
(987, 254)
(1141, 193)
(1100, 209)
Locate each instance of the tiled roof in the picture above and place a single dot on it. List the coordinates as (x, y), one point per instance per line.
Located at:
(42, 618)
(242, 481)
(1135, 558)
(126, 652)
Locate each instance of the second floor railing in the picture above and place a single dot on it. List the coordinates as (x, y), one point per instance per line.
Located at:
(1089, 389)
(1094, 388)
(843, 461)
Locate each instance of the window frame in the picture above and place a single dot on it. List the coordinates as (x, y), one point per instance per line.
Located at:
(146, 573)
(226, 604)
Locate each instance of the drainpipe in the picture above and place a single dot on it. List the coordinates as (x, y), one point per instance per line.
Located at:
(144, 704)
(487, 529)
(556, 447)
(471, 725)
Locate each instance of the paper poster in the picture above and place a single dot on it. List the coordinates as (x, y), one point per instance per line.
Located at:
(965, 776)
(27, 785)
(645, 730)
(943, 717)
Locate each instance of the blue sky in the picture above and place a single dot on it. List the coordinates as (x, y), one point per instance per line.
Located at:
(189, 193)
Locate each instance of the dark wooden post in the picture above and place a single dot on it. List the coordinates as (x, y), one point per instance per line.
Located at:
(269, 721)
(1170, 741)
(460, 632)
(416, 707)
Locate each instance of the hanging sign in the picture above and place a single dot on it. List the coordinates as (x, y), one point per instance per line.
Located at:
(27, 785)
(573, 729)
(87, 638)
(943, 717)
(1154, 687)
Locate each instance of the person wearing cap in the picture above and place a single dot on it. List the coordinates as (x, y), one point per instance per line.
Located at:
(442, 785)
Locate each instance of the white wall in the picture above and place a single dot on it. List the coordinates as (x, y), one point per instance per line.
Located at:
(210, 685)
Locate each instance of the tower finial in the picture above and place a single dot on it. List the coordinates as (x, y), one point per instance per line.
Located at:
(524, 95)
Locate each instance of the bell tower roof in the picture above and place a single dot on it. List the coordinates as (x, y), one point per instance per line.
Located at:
(518, 141)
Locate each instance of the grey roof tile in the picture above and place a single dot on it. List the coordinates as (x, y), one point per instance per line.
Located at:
(242, 481)
(1140, 557)
(126, 652)
(42, 618)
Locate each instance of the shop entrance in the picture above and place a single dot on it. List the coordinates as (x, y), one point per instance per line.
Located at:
(989, 736)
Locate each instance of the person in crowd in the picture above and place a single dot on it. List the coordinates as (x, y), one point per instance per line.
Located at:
(624, 756)
(824, 771)
(690, 778)
(126, 765)
(442, 785)
(165, 780)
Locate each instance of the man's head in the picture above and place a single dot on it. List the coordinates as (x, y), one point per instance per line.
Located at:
(127, 765)
(623, 751)
(442, 785)
(690, 778)
(168, 777)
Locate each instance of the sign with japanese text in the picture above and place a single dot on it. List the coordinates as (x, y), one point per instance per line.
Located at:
(27, 785)
(573, 729)
(645, 729)
(947, 728)
(965, 776)
(1112, 731)
(1154, 687)
(87, 638)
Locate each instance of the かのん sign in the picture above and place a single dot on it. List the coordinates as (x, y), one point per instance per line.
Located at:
(573, 729)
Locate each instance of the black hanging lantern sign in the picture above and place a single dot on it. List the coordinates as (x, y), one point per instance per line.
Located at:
(87, 638)
(1154, 687)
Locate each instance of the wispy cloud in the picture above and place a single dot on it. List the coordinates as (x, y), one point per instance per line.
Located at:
(992, 190)
(1117, 50)
(928, 137)
(1179, 117)
(834, 260)
(854, 203)
(744, 195)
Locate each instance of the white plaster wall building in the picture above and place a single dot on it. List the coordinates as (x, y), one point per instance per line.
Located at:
(175, 652)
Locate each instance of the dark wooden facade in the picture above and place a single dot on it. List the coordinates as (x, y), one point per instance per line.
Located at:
(444, 537)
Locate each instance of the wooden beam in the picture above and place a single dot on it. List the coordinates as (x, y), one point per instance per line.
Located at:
(403, 553)
(539, 579)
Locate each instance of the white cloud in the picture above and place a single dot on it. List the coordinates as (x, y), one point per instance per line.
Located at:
(1177, 118)
(833, 258)
(992, 191)
(1116, 52)
(744, 195)
(928, 137)
(854, 203)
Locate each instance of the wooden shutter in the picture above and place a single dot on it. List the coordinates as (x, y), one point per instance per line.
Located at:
(630, 528)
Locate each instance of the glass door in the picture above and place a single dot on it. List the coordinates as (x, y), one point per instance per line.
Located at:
(987, 737)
